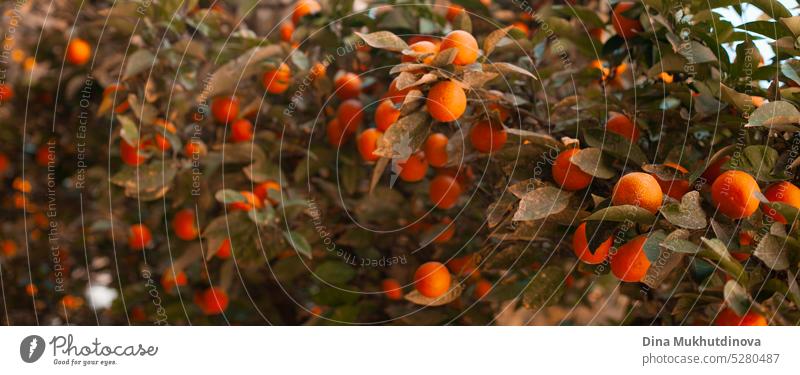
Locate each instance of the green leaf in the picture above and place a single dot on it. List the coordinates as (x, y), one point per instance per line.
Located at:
(299, 243)
(773, 252)
(592, 161)
(384, 40)
(491, 40)
(129, 131)
(335, 272)
(228, 196)
(624, 213)
(404, 137)
(736, 298)
(779, 115)
(137, 62)
(614, 144)
(688, 214)
(545, 288)
(541, 203)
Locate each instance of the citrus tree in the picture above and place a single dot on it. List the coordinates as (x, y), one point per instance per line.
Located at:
(400, 162)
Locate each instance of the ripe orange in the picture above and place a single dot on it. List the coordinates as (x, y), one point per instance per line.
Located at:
(482, 288)
(496, 108)
(170, 280)
(666, 77)
(463, 265)
(184, 224)
(392, 289)
(487, 137)
(414, 168)
(5, 164)
(395, 95)
(31, 289)
(139, 237)
(675, 188)
(350, 115)
(728, 317)
(348, 85)
(303, 8)
(71, 302)
(45, 154)
(286, 30)
(276, 81)
(464, 43)
(453, 10)
(386, 115)
(194, 149)
(427, 49)
(241, 131)
(262, 191)
(605, 72)
(638, 189)
(224, 251)
(625, 27)
(623, 126)
(122, 98)
(432, 279)
(568, 175)
(435, 149)
(6, 93)
(784, 192)
(318, 70)
(336, 133)
(225, 109)
(444, 191)
(130, 154)
(8, 248)
(447, 232)
(523, 28)
(580, 245)
(212, 301)
(367, 143)
(251, 202)
(733, 194)
(78, 51)
(630, 263)
(447, 101)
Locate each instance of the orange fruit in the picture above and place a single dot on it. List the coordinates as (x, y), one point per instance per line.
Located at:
(350, 115)
(348, 85)
(784, 192)
(453, 10)
(367, 143)
(122, 98)
(728, 317)
(71, 302)
(733, 194)
(304, 8)
(170, 280)
(386, 115)
(225, 109)
(395, 95)
(715, 170)
(447, 101)
(318, 70)
(435, 149)
(224, 251)
(251, 202)
(523, 28)
(630, 263)
(336, 134)
(414, 168)
(262, 190)
(164, 126)
(580, 245)
(392, 289)
(486, 137)
(482, 288)
(432, 279)
(286, 30)
(623, 126)
(241, 131)
(130, 154)
(6, 93)
(675, 188)
(45, 154)
(8, 248)
(758, 101)
(194, 149)
(212, 301)
(638, 189)
(463, 265)
(139, 237)
(444, 191)
(665, 77)
(276, 81)
(496, 108)
(5, 164)
(568, 175)
(78, 51)
(31, 289)
(625, 27)
(597, 33)
(183, 223)
(426, 49)
(447, 232)
(602, 67)
(464, 43)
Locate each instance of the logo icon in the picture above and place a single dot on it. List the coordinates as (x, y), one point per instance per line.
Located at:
(31, 348)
